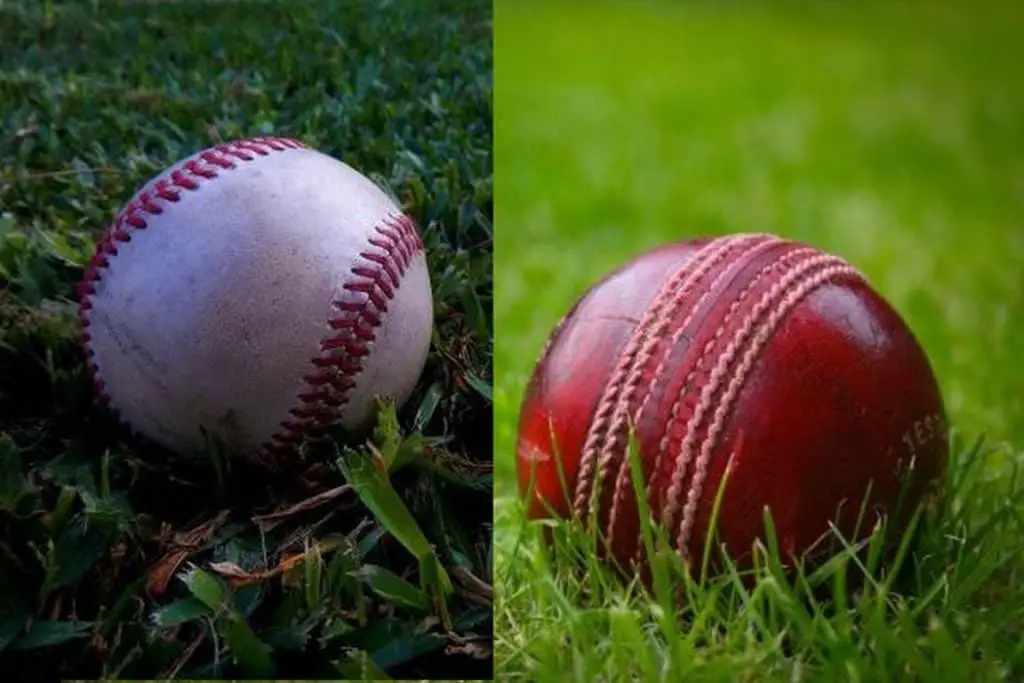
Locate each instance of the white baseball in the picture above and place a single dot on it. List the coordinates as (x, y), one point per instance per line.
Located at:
(257, 291)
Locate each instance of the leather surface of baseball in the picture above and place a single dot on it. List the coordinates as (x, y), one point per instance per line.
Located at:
(258, 291)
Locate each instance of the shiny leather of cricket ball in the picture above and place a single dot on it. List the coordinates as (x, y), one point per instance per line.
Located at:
(748, 353)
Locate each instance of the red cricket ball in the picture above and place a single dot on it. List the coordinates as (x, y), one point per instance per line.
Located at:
(748, 352)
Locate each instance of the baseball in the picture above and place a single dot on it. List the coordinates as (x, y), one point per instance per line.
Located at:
(256, 292)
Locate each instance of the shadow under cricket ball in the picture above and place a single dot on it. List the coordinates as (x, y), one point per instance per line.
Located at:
(749, 352)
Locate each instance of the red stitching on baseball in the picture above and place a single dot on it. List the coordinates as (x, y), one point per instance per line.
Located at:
(184, 177)
(358, 313)
(196, 169)
(179, 179)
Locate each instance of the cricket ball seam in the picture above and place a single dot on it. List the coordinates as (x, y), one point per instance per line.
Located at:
(673, 436)
(674, 412)
(352, 324)
(594, 446)
(712, 382)
(647, 337)
(702, 266)
(800, 280)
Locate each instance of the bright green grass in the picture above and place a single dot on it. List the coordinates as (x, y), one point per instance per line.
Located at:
(890, 136)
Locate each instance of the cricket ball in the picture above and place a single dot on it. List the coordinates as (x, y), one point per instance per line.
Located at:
(253, 294)
(750, 367)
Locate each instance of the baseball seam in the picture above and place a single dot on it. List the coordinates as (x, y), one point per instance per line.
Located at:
(355, 315)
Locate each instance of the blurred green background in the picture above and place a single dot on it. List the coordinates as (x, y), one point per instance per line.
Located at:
(889, 133)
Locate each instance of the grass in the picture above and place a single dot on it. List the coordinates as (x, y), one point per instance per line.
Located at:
(888, 133)
(371, 557)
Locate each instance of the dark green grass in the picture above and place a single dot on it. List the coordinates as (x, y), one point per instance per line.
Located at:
(94, 99)
(889, 133)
